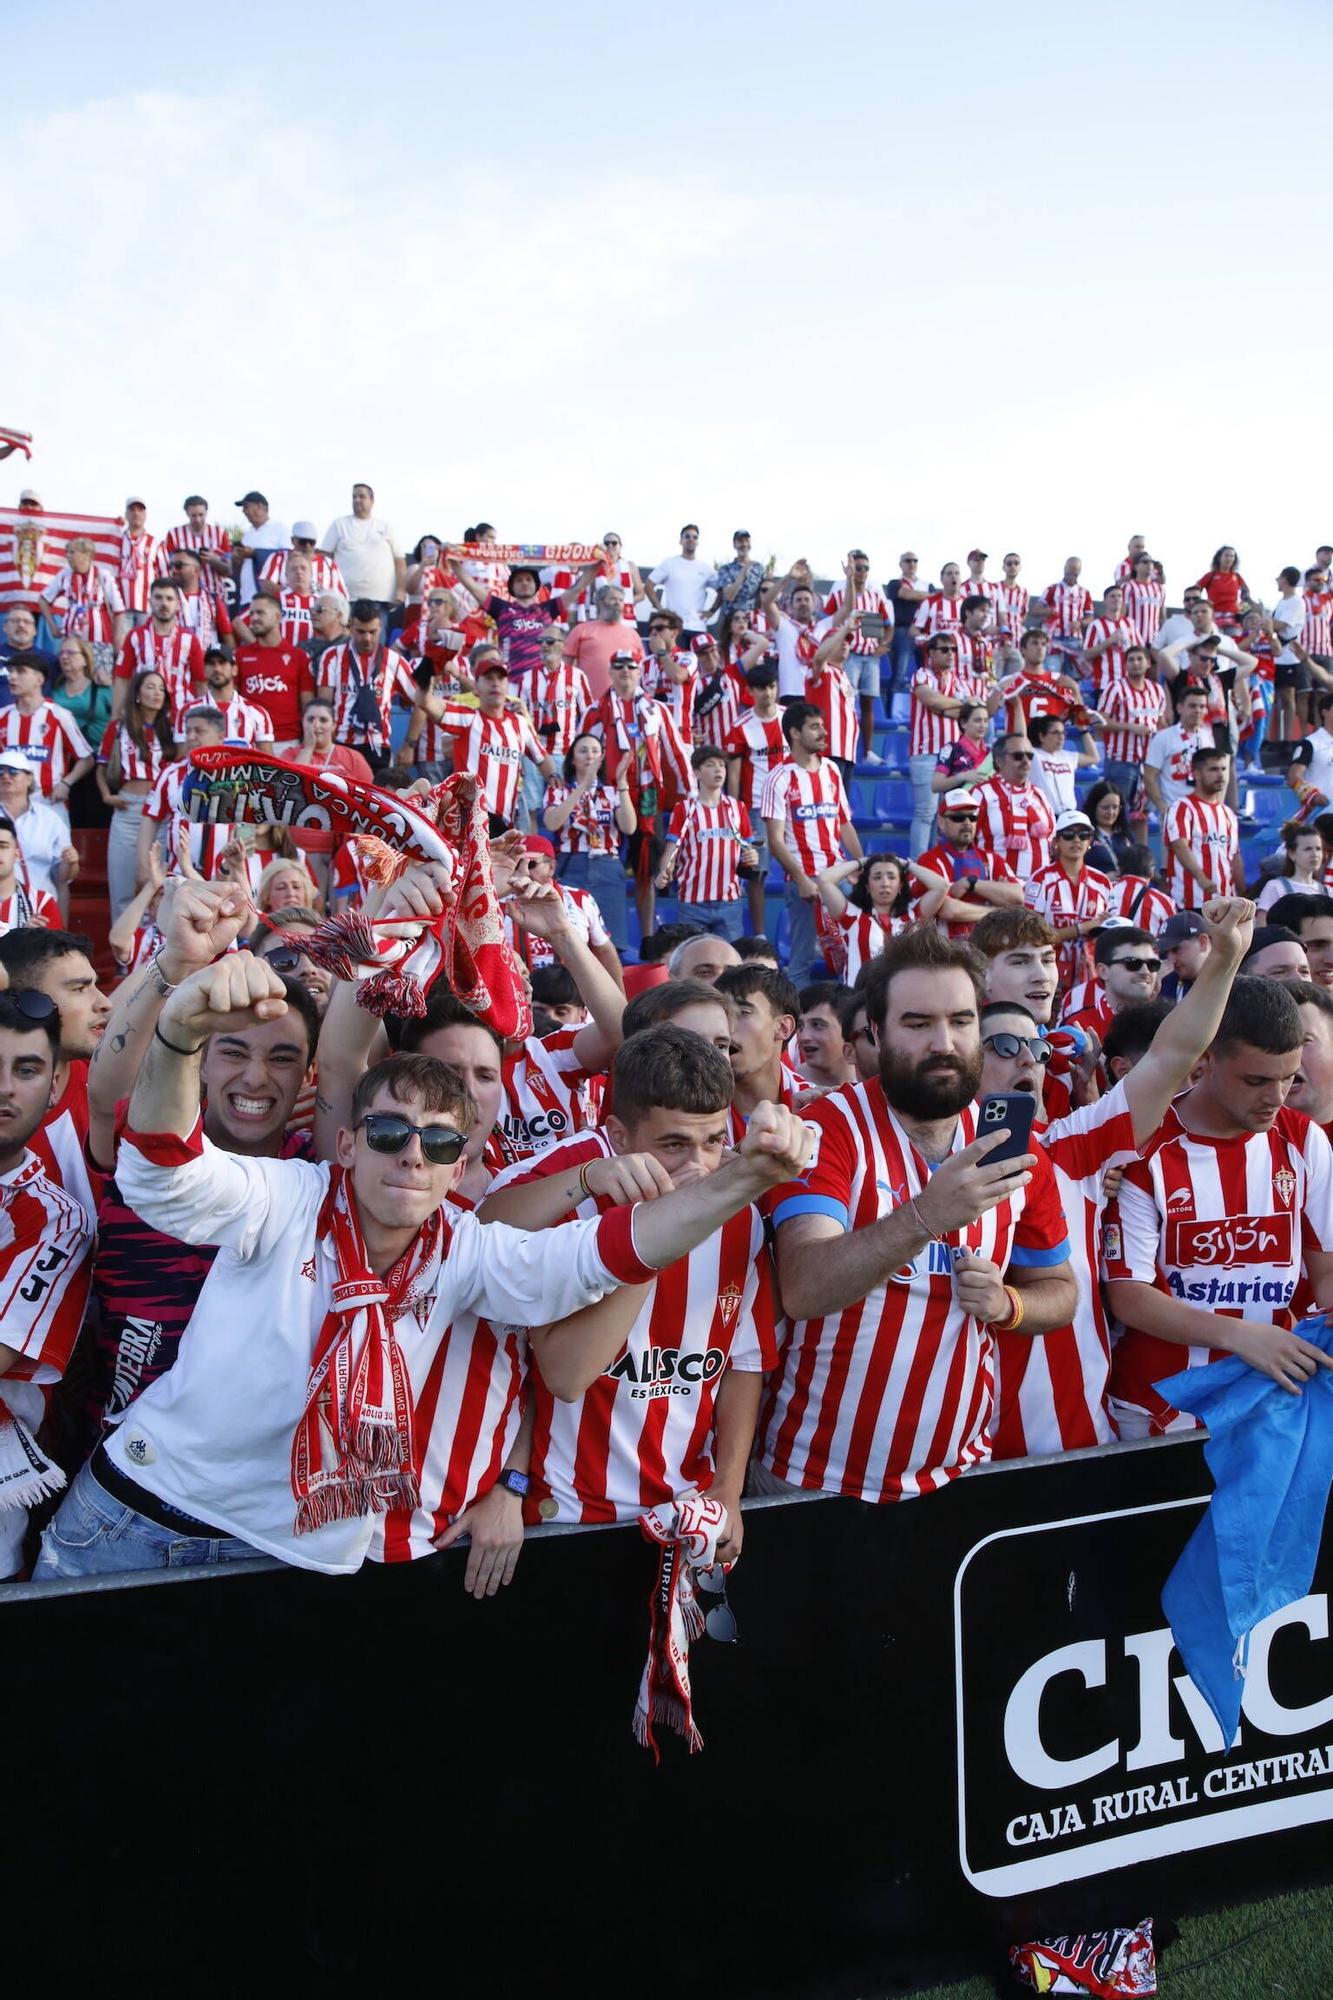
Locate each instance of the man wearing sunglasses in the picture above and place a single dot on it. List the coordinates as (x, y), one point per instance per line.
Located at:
(1072, 897)
(1054, 1394)
(354, 1295)
(1128, 968)
(1017, 819)
(981, 880)
(44, 1259)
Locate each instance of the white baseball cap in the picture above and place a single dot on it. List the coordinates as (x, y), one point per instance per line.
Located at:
(954, 801)
(14, 760)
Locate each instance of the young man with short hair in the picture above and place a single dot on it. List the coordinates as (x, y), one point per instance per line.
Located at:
(820, 1046)
(1128, 968)
(809, 824)
(45, 1246)
(1202, 836)
(764, 1009)
(305, 1455)
(707, 845)
(363, 679)
(20, 905)
(1312, 1086)
(1168, 760)
(1072, 897)
(1216, 1225)
(492, 740)
(47, 734)
(755, 747)
(273, 676)
(1310, 918)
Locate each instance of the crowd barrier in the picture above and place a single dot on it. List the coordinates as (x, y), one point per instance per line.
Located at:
(945, 1726)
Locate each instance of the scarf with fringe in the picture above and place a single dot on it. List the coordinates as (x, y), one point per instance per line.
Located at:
(354, 1450)
(687, 1530)
(394, 961)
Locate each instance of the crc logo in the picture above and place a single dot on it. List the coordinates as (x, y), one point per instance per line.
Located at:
(1099, 1751)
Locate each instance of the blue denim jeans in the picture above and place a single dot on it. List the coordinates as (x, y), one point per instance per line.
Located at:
(94, 1534)
(1125, 778)
(603, 876)
(924, 802)
(717, 918)
(801, 947)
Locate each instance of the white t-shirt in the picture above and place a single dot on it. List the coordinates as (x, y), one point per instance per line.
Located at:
(791, 672)
(1177, 626)
(364, 551)
(1314, 753)
(1288, 615)
(268, 535)
(1053, 773)
(686, 582)
(43, 838)
(1278, 886)
(1169, 754)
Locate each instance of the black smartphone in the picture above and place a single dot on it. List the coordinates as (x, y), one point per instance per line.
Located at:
(1010, 1111)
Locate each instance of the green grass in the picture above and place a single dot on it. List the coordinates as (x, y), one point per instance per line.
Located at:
(1281, 1949)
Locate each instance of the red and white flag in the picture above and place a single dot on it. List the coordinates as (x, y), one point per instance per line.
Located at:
(16, 440)
(32, 548)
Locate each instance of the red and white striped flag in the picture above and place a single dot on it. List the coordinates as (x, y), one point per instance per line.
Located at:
(32, 548)
(16, 440)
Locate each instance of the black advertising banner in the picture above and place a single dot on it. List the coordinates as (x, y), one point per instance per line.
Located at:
(1097, 1752)
(947, 1726)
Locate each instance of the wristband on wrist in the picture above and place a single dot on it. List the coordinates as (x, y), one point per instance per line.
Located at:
(583, 1178)
(920, 1219)
(1016, 1312)
(160, 976)
(186, 1053)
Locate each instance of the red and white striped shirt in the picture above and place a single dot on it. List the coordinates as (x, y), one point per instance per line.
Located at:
(325, 575)
(246, 720)
(932, 732)
(1109, 666)
(976, 656)
(204, 614)
(1016, 822)
(49, 738)
(937, 613)
(584, 606)
(893, 1394)
(720, 701)
(177, 656)
(1011, 609)
(135, 764)
(1052, 1394)
(547, 1094)
(163, 805)
(640, 734)
(812, 806)
(831, 692)
(872, 602)
(1133, 896)
(642, 1433)
(676, 696)
(46, 1236)
(1220, 1224)
(761, 746)
(298, 617)
(24, 908)
(584, 916)
(1028, 694)
(493, 746)
(559, 698)
(134, 568)
(1145, 604)
(1213, 837)
(864, 935)
(1123, 702)
(709, 839)
(1317, 632)
(591, 828)
(89, 601)
(961, 867)
(344, 672)
(210, 538)
(1063, 900)
(1070, 606)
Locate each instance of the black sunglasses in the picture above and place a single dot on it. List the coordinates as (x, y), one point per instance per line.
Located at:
(1138, 964)
(32, 1005)
(386, 1133)
(1009, 1046)
(285, 959)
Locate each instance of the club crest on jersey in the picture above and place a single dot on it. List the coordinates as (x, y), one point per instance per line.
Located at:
(729, 1304)
(1284, 1185)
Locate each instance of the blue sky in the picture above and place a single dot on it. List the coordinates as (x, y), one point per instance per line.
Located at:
(1038, 279)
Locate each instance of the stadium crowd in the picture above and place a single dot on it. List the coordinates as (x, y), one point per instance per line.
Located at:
(1054, 1175)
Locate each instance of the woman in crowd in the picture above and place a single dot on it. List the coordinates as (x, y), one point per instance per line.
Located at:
(1302, 866)
(967, 759)
(84, 689)
(855, 922)
(1225, 588)
(132, 757)
(287, 885)
(587, 816)
(1106, 808)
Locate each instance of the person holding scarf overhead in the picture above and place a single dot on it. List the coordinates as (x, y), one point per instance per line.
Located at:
(640, 736)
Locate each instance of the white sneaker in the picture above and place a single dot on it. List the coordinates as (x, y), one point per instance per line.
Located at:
(872, 757)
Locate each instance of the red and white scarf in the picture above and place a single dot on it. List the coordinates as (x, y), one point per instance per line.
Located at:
(688, 1530)
(354, 1452)
(467, 944)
